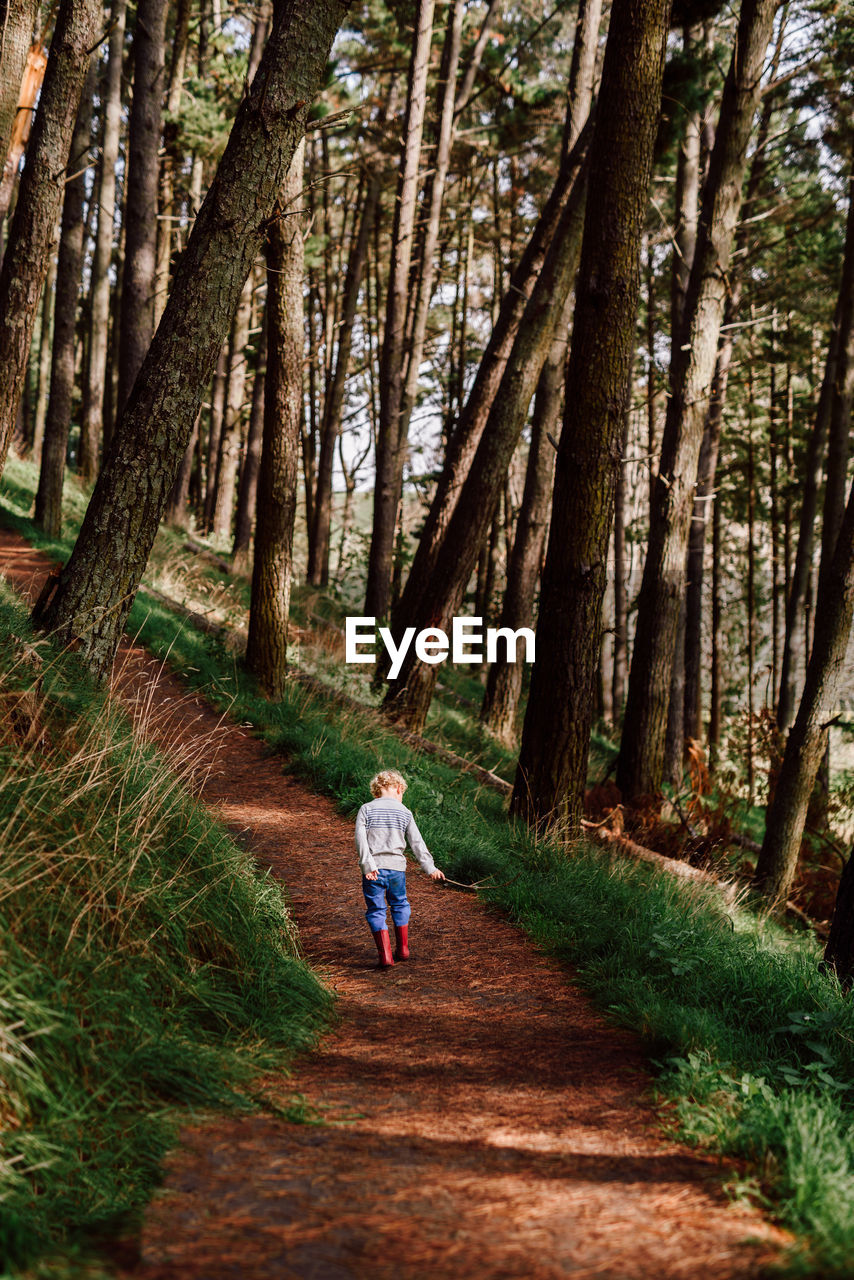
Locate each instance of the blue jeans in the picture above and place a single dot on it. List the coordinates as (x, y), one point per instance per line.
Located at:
(389, 886)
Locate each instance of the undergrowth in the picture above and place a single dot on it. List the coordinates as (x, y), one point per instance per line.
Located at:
(147, 966)
(754, 1045)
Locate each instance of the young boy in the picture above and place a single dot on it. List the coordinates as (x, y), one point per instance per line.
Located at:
(383, 827)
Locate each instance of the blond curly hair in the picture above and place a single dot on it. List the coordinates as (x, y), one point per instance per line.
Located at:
(386, 779)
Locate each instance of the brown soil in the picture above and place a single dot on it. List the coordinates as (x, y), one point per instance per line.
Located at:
(481, 1119)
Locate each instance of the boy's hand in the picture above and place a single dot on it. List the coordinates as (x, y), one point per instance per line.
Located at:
(372, 875)
(437, 875)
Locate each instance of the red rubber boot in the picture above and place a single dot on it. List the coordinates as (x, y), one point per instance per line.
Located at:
(401, 936)
(381, 938)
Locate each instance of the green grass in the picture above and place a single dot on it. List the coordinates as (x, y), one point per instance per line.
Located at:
(147, 966)
(754, 1046)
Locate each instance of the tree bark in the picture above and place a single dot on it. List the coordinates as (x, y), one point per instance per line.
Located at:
(25, 261)
(504, 680)
(841, 400)
(232, 426)
(69, 271)
(620, 661)
(839, 952)
(551, 773)
(214, 436)
(318, 563)
(139, 280)
(391, 439)
(784, 824)
(17, 20)
(45, 348)
(23, 95)
(176, 506)
(640, 768)
(169, 159)
(409, 694)
(516, 304)
(247, 496)
(92, 428)
(691, 706)
(96, 588)
(684, 244)
(266, 651)
(434, 194)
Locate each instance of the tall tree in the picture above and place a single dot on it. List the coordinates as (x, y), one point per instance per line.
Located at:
(391, 441)
(96, 588)
(554, 231)
(805, 745)
(92, 427)
(17, 20)
(266, 650)
(25, 261)
(640, 768)
(552, 767)
(691, 705)
(318, 563)
(504, 679)
(69, 271)
(233, 419)
(247, 495)
(139, 279)
(169, 162)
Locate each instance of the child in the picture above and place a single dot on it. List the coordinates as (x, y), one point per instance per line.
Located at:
(383, 827)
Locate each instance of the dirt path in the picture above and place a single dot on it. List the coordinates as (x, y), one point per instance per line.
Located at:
(493, 1124)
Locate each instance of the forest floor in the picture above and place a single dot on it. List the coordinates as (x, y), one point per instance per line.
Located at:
(470, 1114)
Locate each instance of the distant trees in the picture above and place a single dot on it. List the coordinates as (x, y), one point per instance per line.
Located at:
(25, 261)
(266, 651)
(640, 770)
(97, 586)
(552, 768)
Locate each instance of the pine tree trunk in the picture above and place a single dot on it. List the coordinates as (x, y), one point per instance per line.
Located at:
(176, 507)
(715, 692)
(247, 497)
(703, 497)
(839, 952)
(214, 436)
(139, 281)
(318, 563)
(69, 271)
(684, 244)
(465, 439)
(708, 461)
(97, 586)
(409, 694)
(433, 197)
(391, 438)
(620, 661)
(231, 441)
(169, 160)
(25, 261)
(504, 681)
(784, 824)
(266, 652)
(17, 20)
(640, 768)
(45, 348)
(552, 767)
(92, 427)
(840, 337)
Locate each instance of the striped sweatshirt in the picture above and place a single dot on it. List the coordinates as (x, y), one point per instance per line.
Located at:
(384, 827)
